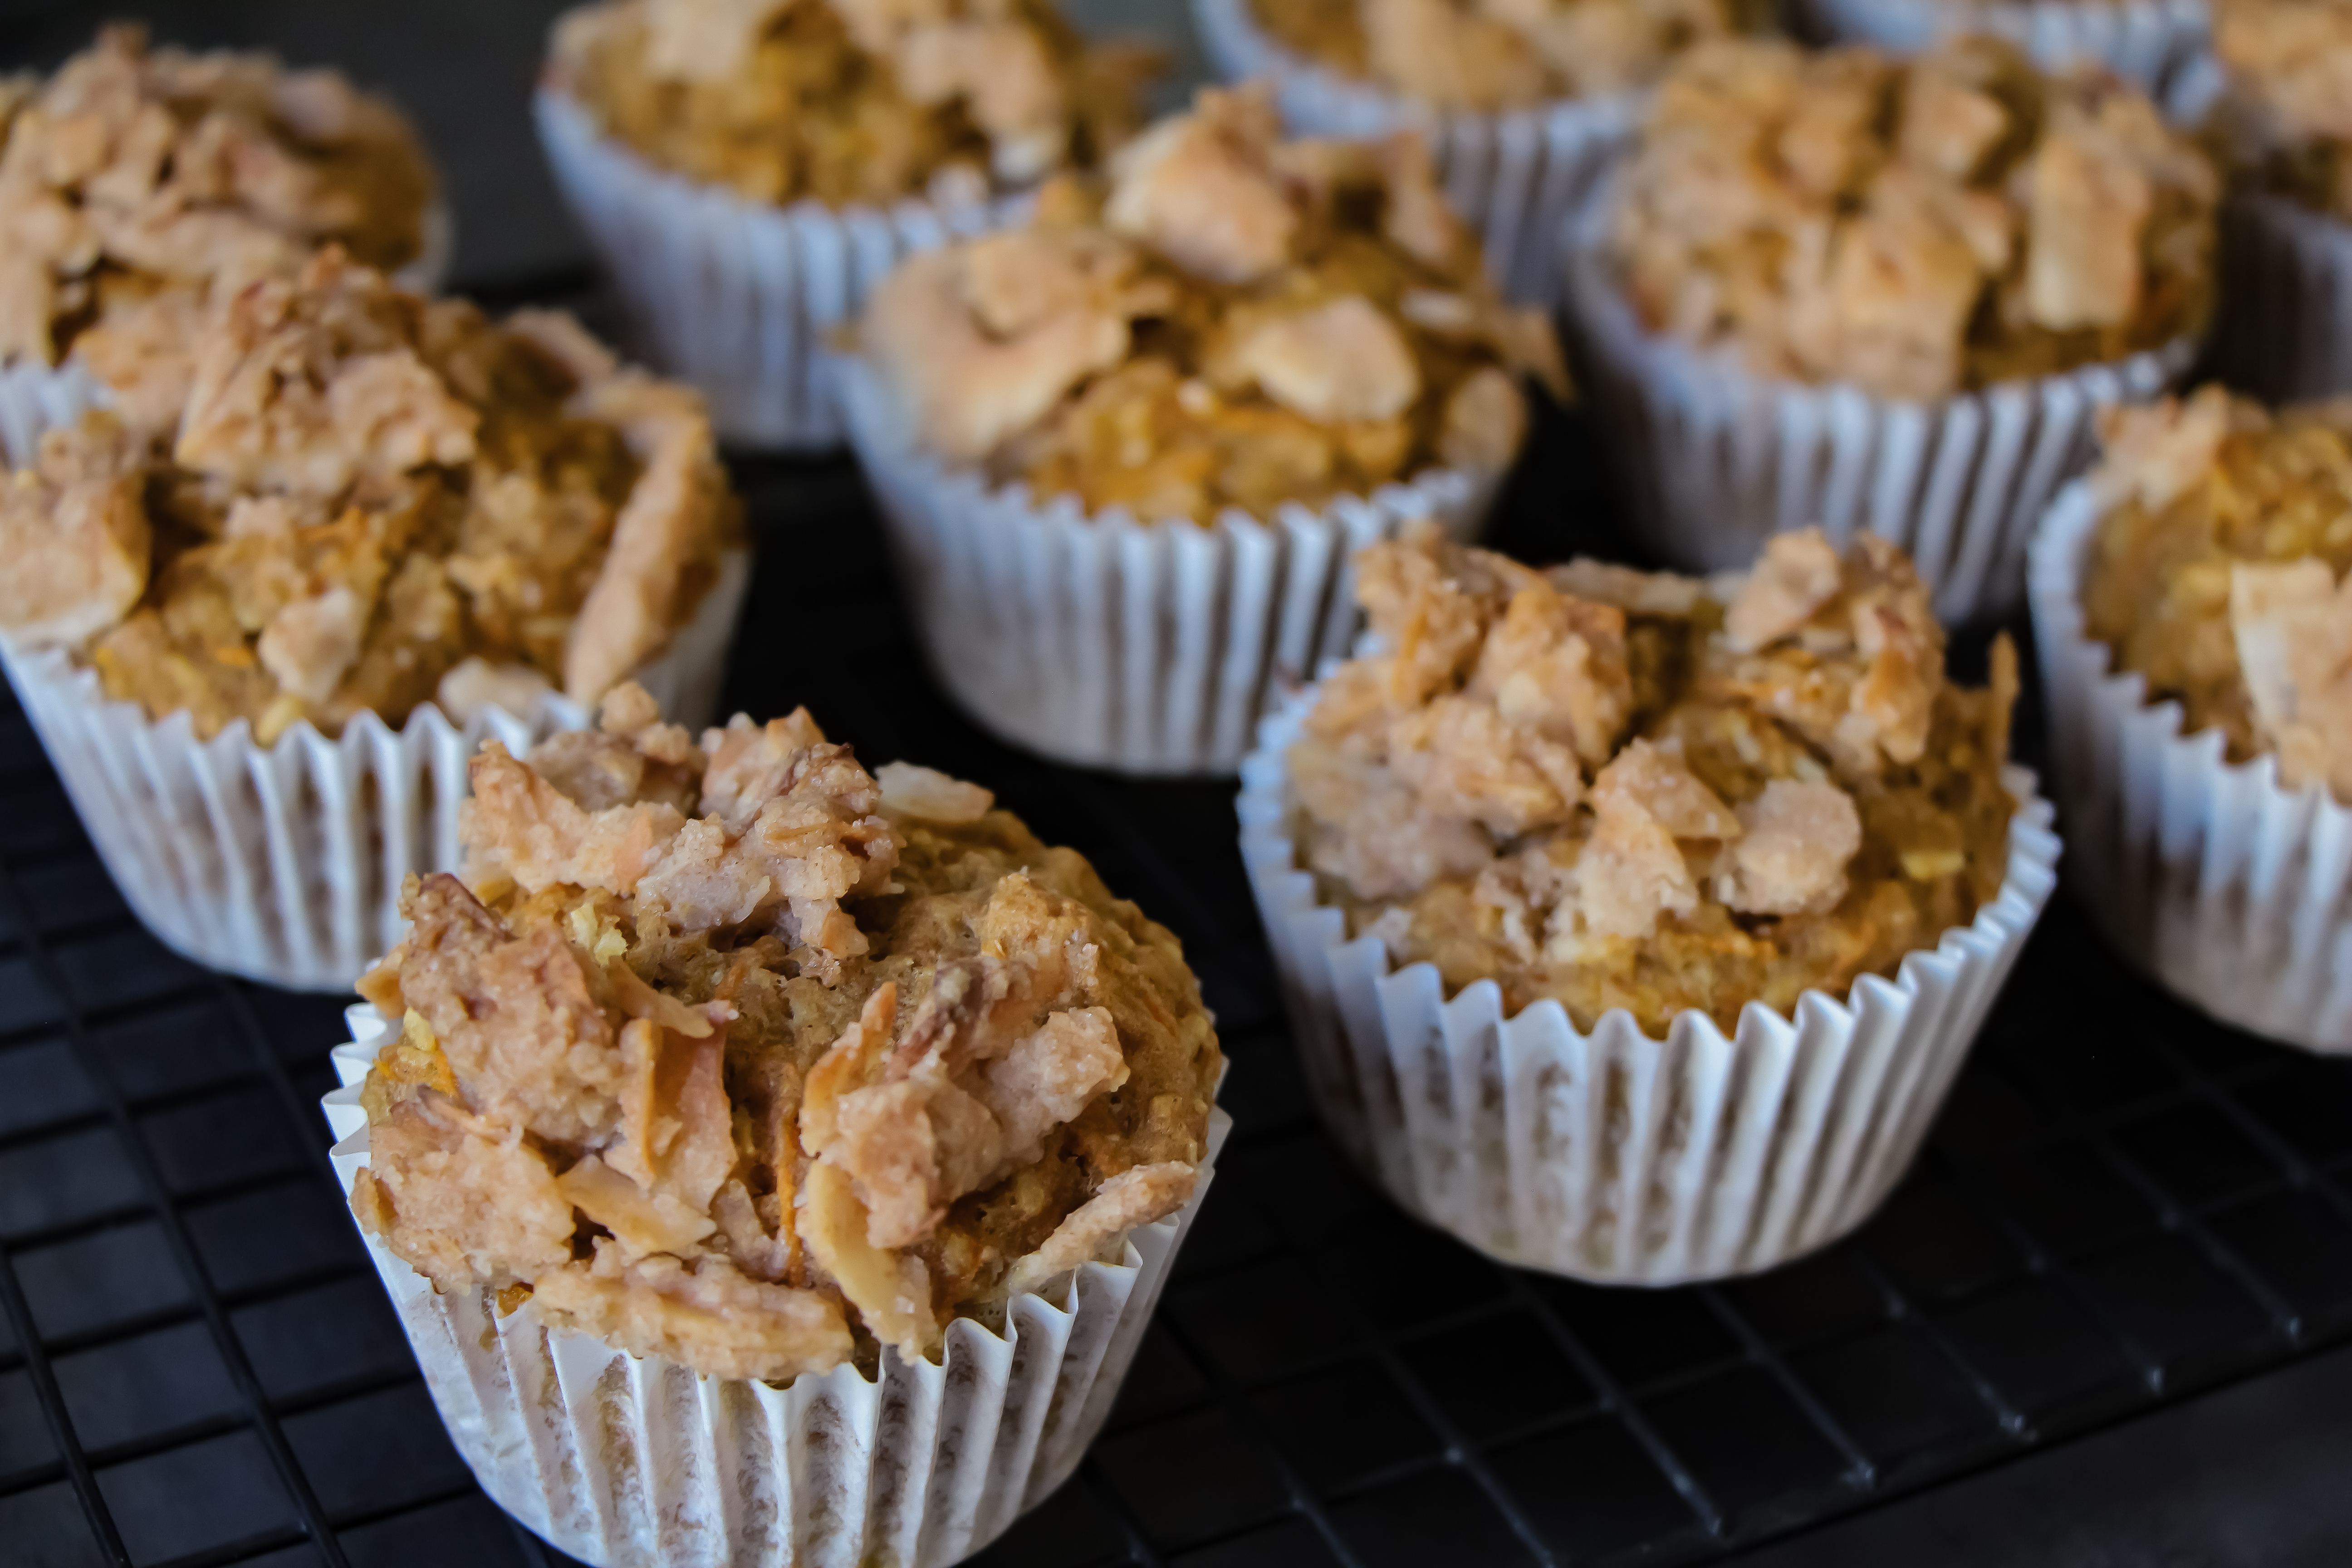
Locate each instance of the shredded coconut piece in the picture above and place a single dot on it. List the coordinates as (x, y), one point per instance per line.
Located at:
(1134, 1197)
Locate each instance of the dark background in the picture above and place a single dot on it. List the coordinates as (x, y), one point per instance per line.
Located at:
(2101, 1325)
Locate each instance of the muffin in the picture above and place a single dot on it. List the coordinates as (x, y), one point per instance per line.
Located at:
(2287, 225)
(135, 183)
(748, 172)
(832, 1082)
(1892, 287)
(1233, 351)
(1523, 102)
(2187, 593)
(1741, 841)
(372, 514)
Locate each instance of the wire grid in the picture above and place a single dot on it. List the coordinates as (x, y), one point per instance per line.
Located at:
(2123, 1204)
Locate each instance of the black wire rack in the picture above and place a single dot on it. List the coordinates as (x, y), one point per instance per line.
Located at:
(2122, 1205)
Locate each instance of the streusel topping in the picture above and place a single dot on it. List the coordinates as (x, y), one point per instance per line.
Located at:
(2288, 108)
(1236, 321)
(1915, 228)
(1614, 789)
(851, 100)
(740, 1055)
(372, 501)
(134, 180)
(2217, 572)
(1491, 55)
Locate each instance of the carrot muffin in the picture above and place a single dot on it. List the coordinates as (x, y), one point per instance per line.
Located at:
(743, 1056)
(1229, 320)
(371, 501)
(1616, 789)
(134, 179)
(849, 100)
(1488, 57)
(2289, 109)
(1915, 228)
(2215, 573)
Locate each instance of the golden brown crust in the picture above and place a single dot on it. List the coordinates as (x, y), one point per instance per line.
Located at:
(374, 500)
(1915, 228)
(133, 181)
(815, 1070)
(1678, 804)
(2216, 574)
(849, 100)
(1235, 321)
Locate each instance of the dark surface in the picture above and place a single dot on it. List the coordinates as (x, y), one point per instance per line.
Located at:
(2131, 1227)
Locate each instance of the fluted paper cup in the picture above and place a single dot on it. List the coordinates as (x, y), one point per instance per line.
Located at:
(1716, 459)
(625, 1461)
(1513, 176)
(283, 863)
(2143, 41)
(2229, 890)
(1611, 1156)
(740, 298)
(1144, 647)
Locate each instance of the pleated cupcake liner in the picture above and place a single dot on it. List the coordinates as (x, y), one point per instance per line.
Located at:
(2229, 890)
(1608, 1155)
(283, 863)
(1715, 459)
(1145, 648)
(1514, 176)
(740, 298)
(2149, 42)
(625, 1461)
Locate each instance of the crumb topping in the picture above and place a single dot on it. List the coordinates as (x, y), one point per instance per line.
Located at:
(851, 100)
(1915, 228)
(1231, 320)
(2287, 112)
(830, 1061)
(135, 179)
(2216, 572)
(1498, 53)
(1619, 789)
(372, 501)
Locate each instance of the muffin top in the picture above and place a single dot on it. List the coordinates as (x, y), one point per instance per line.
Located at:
(2288, 108)
(839, 1060)
(1233, 320)
(1914, 228)
(2214, 573)
(369, 500)
(1616, 789)
(133, 179)
(1497, 55)
(851, 100)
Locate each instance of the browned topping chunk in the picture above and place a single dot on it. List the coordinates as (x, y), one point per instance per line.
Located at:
(1233, 321)
(2219, 574)
(372, 501)
(2286, 114)
(1915, 228)
(1774, 795)
(764, 1088)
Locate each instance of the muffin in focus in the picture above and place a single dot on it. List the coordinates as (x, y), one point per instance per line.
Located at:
(1615, 789)
(370, 501)
(741, 1056)
(1915, 228)
(1228, 320)
(135, 183)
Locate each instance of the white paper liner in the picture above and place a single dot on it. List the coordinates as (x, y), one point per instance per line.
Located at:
(2232, 890)
(2143, 41)
(284, 863)
(1513, 176)
(1611, 1156)
(1715, 459)
(739, 298)
(631, 1462)
(1144, 647)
